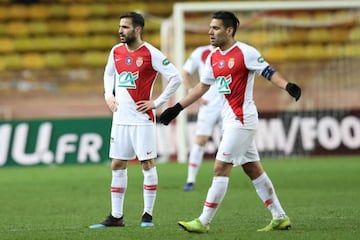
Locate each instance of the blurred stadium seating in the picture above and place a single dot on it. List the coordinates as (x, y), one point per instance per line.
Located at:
(65, 43)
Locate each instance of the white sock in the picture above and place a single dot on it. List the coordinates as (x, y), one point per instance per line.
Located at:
(266, 192)
(195, 160)
(150, 189)
(118, 188)
(215, 195)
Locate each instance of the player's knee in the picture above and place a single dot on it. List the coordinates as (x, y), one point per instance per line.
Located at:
(222, 169)
(253, 169)
(118, 164)
(202, 140)
(147, 164)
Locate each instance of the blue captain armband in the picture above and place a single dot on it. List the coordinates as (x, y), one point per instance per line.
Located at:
(268, 72)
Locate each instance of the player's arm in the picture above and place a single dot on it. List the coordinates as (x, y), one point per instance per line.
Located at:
(162, 65)
(278, 80)
(172, 112)
(187, 80)
(109, 83)
(207, 78)
(190, 66)
(254, 61)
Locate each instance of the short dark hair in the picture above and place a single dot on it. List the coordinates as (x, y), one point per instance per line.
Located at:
(137, 19)
(229, 19)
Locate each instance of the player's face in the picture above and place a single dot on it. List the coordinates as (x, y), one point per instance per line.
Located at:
(127, 31)
(219, 35)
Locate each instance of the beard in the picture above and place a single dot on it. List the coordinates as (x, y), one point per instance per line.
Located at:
(128, 39)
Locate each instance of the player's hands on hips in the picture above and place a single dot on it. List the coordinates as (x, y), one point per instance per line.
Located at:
(112, 103)
(144, 106)
(170, 113)
(294, 90)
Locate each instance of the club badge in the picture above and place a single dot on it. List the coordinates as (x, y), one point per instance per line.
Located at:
(139, 61)
(231, 63)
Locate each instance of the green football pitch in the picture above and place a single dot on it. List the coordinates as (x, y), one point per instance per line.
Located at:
(321, 196)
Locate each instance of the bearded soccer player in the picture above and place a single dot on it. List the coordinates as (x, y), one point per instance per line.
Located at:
(232, 66)
(130, 73)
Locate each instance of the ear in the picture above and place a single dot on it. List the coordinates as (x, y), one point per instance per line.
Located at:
(229, 31)
(138, 29)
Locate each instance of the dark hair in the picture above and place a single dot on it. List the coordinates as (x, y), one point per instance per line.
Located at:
(137, 19)
(229, 19)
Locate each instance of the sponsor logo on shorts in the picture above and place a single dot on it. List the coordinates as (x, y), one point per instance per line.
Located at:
(226, 154)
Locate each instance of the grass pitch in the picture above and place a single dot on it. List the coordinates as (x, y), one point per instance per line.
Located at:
(321, 196)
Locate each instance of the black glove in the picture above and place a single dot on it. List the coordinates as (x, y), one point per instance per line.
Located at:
(294, 90)
(170, 113)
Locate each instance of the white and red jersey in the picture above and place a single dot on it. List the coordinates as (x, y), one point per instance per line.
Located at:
(130, 75)
(233, 72)
(196, 61)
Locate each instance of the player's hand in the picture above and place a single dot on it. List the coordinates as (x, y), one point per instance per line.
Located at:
(144, 106)
(294, 90)
(112, 104)
(170, 113)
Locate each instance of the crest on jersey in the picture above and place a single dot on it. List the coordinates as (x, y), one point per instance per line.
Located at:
(139, 61)
(223, 84)
(221, 64)
(128, 61)
(231, 63)
(127, 79)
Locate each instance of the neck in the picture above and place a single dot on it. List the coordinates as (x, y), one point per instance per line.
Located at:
(134, 45)
(228, 45)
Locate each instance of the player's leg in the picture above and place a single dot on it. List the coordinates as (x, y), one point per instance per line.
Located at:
(214, 197)
(265, 190)
(145, 145)
(229, 150)
(195, 160)
(120, 153)
(206, 122)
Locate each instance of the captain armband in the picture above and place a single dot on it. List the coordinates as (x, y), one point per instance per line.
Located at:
(268, 72)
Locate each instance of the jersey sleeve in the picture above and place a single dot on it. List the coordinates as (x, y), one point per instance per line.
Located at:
(253, 59)
(168, 70)
(192, 63)
(207, 76)
(162, 65)
(109, 74)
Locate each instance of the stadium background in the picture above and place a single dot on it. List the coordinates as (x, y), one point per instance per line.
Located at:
(53, 55)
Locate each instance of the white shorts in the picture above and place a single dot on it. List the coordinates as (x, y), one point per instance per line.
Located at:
(208, 117)
(130, 141)
(237, 146)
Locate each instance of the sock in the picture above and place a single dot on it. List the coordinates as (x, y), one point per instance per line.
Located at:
(118, 189)
(150, 189)
(195, 160)
(266, 192)
(215, 195)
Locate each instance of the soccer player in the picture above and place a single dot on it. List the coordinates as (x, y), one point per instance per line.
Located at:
(130, 73)
(232, 67)
(208, 117)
